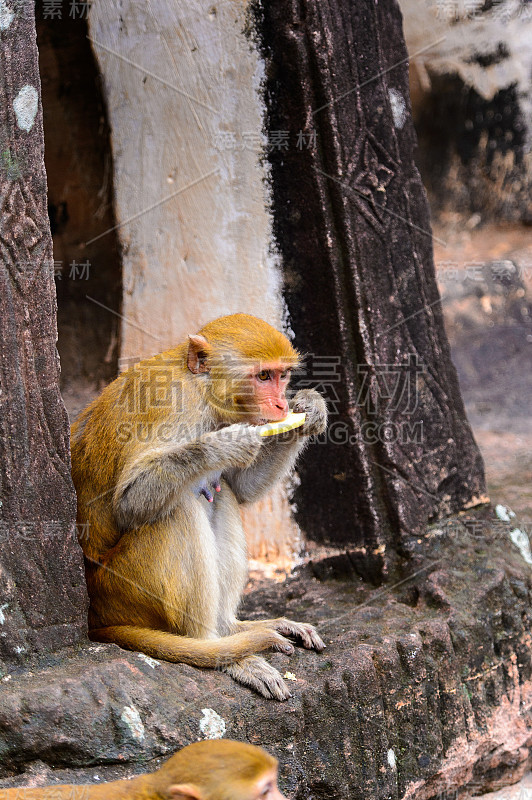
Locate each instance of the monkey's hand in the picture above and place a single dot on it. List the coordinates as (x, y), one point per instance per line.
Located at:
(313, 405)
(236, 445)
(255, 672)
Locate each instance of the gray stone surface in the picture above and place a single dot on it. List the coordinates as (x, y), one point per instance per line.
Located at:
(424, 690)
(471, 78)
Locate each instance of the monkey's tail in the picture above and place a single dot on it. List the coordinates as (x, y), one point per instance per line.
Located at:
(217, 652)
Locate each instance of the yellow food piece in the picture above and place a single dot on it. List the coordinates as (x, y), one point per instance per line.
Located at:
(286, 424)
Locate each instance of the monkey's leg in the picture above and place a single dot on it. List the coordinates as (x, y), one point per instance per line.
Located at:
(159, 593)
(232, 557)
(257, 674)
(162, 576)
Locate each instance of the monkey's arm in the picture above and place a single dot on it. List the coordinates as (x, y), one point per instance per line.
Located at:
(278, 454)
(151, 483)
(275, 460)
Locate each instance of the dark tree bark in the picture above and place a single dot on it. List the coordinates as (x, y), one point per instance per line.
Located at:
(42, 586)
(352, 224)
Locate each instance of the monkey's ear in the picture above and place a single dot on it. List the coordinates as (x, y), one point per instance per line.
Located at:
(184, 791)
(198, 350)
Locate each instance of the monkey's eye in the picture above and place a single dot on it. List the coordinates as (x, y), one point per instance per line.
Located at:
(263, 375)
(285, 374)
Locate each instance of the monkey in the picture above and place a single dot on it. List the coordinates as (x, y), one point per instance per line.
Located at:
(166, 561)
(209, 770)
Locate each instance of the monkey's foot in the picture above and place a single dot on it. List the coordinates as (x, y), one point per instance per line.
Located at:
(257, 674)
(300, 631)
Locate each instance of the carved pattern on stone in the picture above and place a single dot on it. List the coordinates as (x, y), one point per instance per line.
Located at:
(371, 170)
(23, 227)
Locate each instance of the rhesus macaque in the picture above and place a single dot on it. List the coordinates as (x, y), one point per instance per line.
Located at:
(165, 552)
(209, 770)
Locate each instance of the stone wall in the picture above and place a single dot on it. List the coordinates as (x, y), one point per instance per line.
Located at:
(470, 69)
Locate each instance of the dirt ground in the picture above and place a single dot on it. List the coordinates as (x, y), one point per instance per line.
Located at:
(485, 278)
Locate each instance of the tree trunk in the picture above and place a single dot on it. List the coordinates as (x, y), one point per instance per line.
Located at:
(352, 225)
(42, 587)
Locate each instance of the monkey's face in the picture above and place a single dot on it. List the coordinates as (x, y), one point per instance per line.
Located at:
(255, 396)
(269, 384)
(266, 787)
(260, 396)
(244, 367)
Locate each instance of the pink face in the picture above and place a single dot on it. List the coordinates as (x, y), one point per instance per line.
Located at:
(269, 387)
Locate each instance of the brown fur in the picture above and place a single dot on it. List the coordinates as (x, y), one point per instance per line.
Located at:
(165, 568)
